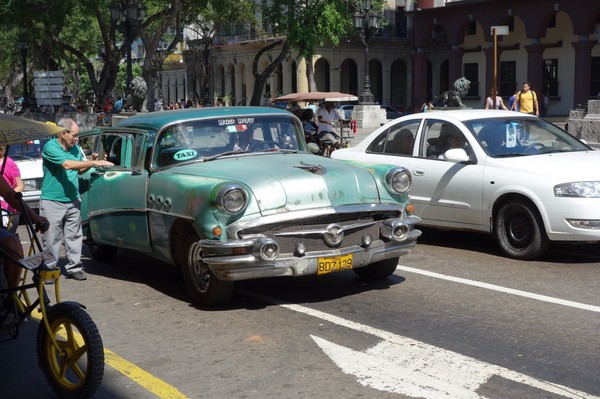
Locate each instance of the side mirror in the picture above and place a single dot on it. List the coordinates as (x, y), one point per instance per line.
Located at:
(456, 155)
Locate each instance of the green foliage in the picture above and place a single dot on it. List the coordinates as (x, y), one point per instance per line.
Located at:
(307, 24)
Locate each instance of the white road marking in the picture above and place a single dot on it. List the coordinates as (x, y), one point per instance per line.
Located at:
(413, 368)
(499, 288)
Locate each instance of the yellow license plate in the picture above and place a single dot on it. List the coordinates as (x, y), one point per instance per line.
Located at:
(334, 264)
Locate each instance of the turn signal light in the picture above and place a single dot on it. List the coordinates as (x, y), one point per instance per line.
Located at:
(217, 231)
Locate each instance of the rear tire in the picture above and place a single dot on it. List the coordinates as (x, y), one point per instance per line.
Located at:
(203, 286)
(75, 369)
(519, 231)
(378, 270)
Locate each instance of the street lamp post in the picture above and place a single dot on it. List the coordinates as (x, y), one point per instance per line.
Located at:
(496, 31)
(128, 16)
(366, 22)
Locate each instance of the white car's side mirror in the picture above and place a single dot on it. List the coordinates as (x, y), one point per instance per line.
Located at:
(456, 155)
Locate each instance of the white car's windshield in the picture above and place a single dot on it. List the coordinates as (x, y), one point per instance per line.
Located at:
(208, 138)
(501, 137)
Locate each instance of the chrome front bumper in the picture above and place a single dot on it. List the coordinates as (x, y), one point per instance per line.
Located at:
(253, 258)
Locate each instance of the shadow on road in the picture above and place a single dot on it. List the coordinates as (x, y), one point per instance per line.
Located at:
(564, 253)
(133, 267)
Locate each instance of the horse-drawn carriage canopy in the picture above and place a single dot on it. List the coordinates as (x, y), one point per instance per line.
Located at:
(333, 96)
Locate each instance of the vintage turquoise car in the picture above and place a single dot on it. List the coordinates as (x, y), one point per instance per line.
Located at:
(231, 194)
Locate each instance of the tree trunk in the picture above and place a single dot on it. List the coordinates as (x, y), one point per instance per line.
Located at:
(310, 75)
(260, 79)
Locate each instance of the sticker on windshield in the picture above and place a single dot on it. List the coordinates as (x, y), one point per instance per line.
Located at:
(184, 155)
(237, 128)
(511, 136)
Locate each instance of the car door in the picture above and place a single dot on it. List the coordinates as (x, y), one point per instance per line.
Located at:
(446, 193)
(115, 197)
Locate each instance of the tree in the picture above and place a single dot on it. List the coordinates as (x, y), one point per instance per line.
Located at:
(210, 18)
(25, 26)
(163, 17)
(301, 25)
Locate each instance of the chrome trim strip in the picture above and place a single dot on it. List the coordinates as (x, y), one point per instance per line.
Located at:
(103, 212)
(233, 228)
(319, 232)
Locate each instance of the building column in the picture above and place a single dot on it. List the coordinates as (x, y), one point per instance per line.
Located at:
(582, 79)
(489, 71)
(420, 95)
(217, 89)
(173, 87)
(334, 78)
(228, 88)
(301, 76)
(535, 66)
(386, 70)
(238, 86)
(455, 64)
(409, 99)
(287, 77)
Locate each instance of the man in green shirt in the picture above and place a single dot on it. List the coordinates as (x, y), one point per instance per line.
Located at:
(60, 201)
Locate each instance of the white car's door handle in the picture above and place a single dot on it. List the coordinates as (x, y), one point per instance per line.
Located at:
(419, 172)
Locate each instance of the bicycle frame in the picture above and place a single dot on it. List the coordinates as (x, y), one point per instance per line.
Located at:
(36, 263)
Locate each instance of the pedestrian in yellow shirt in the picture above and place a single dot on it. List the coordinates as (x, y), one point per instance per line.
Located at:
(527, 101)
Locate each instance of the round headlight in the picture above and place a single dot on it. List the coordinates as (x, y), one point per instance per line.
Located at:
(398, 180)
(232, 199)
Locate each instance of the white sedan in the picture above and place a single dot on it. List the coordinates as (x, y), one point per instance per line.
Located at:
(516, 176)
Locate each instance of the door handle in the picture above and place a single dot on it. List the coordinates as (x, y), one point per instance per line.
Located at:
(419, 172)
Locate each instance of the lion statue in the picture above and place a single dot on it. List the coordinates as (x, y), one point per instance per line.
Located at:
(453, 98)
(136, 99)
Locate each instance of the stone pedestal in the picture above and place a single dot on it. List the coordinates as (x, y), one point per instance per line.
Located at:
(369, 115)
(585, 125)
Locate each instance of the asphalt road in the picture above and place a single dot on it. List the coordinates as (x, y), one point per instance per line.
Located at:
(456, 320)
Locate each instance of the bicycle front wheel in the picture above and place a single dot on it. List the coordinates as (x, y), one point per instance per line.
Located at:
(75, 368)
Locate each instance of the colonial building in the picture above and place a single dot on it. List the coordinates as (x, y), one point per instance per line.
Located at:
(427, 45)
(553, 44)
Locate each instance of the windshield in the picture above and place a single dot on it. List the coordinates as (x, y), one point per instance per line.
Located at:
(501, 137)
(208, 138)
(31, 149)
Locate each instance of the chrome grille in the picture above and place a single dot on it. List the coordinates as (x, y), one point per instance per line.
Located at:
(288, 234)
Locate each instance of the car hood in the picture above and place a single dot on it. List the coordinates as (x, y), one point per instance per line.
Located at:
(562, 166)
(290, 182)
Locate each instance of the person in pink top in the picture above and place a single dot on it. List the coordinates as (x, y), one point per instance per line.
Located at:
(12, 175)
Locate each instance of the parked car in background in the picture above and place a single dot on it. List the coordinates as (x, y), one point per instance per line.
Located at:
(230, 194)
(345, 110)
(515, 176)
(390, 112)
(28, 157)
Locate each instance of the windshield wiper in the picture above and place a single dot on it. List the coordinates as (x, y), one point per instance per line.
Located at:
(510, 154)
(232, 152)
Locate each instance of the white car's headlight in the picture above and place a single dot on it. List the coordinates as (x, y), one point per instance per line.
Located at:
(398, 180)
(579, 189)
(232, 198)
(30, 185)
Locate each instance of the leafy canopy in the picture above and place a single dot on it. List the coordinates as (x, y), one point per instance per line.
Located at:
(307, 24)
